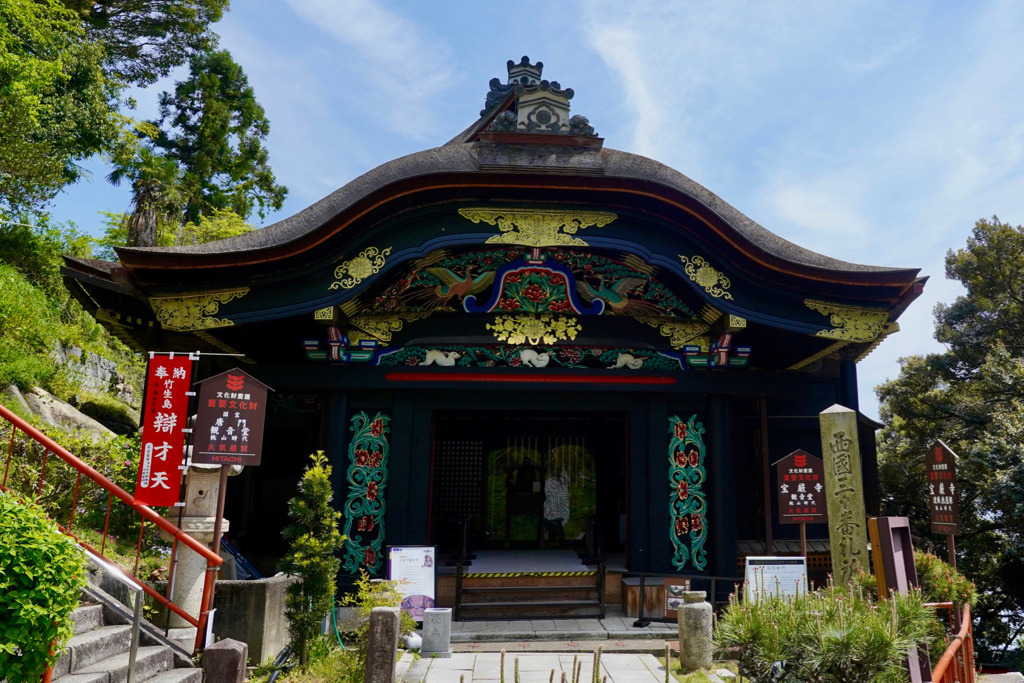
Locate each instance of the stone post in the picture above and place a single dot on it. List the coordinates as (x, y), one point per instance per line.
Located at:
(225, 660)
(437, 632)
(202, 485)
(694, 619)
(844, 493)
(382, 645)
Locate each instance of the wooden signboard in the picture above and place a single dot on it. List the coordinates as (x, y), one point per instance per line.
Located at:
(800, 486)
(943, 498)
(229, 420)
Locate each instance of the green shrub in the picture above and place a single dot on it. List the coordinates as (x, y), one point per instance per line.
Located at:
(369, 594)
(833, 635)
(938, 581)
(41, 576)
(315, 542)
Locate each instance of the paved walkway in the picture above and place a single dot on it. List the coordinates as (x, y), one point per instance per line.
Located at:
(569, 633)
(485, 667)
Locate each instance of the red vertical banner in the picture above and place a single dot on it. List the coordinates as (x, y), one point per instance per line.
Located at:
(164, 417)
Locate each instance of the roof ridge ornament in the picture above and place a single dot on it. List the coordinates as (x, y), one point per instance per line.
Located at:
(540, 106)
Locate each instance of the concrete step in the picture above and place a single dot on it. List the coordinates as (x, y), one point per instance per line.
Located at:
(178, 676)
(92, 646)
(149, 661)
(87, 617)
(522, 609)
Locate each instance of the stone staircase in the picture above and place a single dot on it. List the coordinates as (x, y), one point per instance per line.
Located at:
(98, 653)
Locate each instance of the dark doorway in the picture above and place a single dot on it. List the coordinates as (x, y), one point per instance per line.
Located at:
(529, 480)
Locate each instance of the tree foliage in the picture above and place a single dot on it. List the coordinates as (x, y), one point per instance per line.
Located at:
(214, 128)
(57, 107)
(41, 575)
(972, 397)
(145, 39)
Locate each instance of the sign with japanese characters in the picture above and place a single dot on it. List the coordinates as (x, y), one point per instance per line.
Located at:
(800, 485)
(844, 493)
(778, 576)
(943, 497)
(164, 413)
(229, 420)
(413, 568)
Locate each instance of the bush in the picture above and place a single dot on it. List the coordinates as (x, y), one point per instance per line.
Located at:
(833, 635)
(369, 594)
(41, 577)
(315, 542)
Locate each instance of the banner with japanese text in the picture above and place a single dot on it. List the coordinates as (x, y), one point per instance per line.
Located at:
(164, 416)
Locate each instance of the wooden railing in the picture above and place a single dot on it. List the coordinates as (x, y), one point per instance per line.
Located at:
(957, 663)
(38, 469)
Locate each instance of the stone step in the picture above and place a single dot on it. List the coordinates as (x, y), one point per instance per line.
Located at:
(149, 662)
(87, 617)
(92, 646)
(521, 609)
(178, 676)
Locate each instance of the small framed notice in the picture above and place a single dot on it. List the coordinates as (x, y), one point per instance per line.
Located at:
(778, 576)
(413, 568)
(674, 589)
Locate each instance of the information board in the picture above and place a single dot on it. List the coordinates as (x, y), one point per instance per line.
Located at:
(674, 589)
(413, 568)
(943, 499)
(800, 482)
(780, 576)
(229, 420)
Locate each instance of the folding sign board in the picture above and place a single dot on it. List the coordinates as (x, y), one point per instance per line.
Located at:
(164, 414)
(229, 420)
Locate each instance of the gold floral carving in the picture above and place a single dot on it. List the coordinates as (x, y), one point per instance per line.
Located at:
(849, 323)
(324, 314)
(194, 312)
(381, 326)
(352, 272)
(532, 329)
(713, 281)
(679, 332)
(538, 228)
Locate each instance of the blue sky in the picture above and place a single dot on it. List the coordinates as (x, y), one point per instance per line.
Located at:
(868, 130)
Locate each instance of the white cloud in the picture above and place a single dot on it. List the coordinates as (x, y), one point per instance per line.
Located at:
(389, 63)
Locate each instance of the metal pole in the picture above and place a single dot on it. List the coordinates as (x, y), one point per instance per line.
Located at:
(218, 523)
(769, 545)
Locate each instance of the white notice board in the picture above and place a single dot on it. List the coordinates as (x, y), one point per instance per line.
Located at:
(413, 568)
(783, 576)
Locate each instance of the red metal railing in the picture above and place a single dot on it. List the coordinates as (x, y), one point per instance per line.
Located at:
(957, 662)
(74, 488)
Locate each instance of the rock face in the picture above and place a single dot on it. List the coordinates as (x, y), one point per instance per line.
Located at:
(96, 374)
(59, 414)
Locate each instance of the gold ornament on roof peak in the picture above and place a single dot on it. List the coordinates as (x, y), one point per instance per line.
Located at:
(538, 227)
(680, 332)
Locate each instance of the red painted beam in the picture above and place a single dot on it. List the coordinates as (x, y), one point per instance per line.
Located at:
(524, 379)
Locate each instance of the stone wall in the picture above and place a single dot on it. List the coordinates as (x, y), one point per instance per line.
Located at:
(97, 374)
(253, 612)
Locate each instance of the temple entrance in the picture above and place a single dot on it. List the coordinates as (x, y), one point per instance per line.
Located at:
(529, 481)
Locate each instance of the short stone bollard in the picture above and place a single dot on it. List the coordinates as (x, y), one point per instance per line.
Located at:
(437, 632)
(382, 645)
(225, 661)
(695, 646)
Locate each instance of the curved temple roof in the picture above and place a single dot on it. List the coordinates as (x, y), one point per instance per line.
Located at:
(524, 151)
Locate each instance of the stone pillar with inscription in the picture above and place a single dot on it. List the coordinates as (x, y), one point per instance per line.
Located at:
(844, 492)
